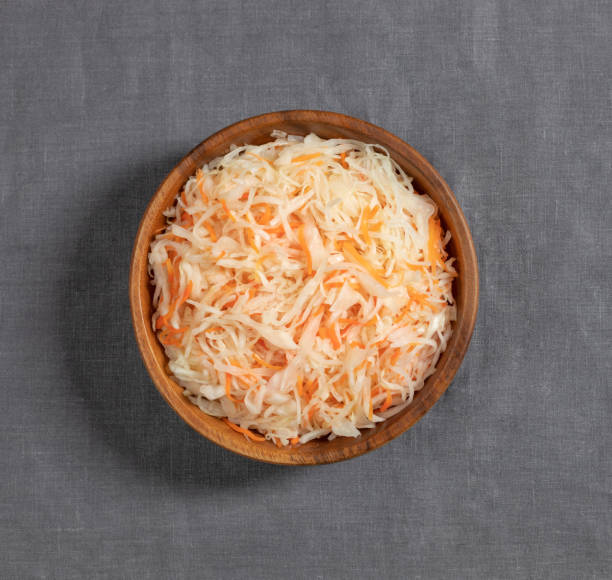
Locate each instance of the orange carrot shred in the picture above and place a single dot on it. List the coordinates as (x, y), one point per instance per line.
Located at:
(230, 215)
(433, 251)
(343, 160)
(312, 412)
(395, 356)
(350, 252)
(172, 330)
(200, 177)
(213, 329)
(246, 432)
(267, 214)
(228, 388)
(302, 158)
(263, 363)
(251, 239)
(364, 226)
(302, 240)
(187, 218)
(333, 335)
(260, 158)
(387, 402)
(211, 232)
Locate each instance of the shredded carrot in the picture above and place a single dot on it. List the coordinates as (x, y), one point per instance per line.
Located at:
(299, 384)
(183, 198)
(276, 230)
(395, 356)
(173, 238)
(221, 254)
(371, 410)
(335, 284)
(413, 266)
(310, 389)
(304, 245)
(200, 178)
(251, 239)
(333, 335)
(213, 329)
(163, 337)
(248, 381)
(433, 251)
(361, 365)
(170, 269)
(172, 330)
(162, 320)
(246, 432)
(312, 412)
(267, 214)
(365, 217)
(244, 381)
(187, 219)
(295, 440)
(263, 363)
(260, 158)
(211, 231)
(230, 215)
(302, 158)
(228, 388)
(418, 297)
(387, 402)
(343, 160)
(371, 322)
(350, 252)
(185, 295)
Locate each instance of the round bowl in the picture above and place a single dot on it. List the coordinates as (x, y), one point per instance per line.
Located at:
(256, 130)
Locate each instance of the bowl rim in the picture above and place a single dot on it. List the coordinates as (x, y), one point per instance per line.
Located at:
(221, 434)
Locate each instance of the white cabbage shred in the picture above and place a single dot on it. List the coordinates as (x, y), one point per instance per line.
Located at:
(302, 288)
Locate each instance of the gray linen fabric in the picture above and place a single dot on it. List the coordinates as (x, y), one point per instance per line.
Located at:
(509, 476)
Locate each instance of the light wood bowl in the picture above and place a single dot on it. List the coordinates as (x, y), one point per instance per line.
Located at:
(256, 130)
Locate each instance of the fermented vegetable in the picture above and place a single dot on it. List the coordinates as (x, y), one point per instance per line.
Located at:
(302, 288)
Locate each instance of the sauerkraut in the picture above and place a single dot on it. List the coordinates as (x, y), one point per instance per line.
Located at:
(302, 288)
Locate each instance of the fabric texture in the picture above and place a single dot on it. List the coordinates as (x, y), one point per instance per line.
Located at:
(509, 475)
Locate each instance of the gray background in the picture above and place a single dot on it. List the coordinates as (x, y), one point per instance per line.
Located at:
(509, 476)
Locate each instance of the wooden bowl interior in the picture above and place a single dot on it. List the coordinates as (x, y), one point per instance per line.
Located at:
(426, 180)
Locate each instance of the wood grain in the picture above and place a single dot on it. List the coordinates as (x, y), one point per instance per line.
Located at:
(256, 130)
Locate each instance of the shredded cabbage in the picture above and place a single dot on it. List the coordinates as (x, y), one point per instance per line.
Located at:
(302, 288)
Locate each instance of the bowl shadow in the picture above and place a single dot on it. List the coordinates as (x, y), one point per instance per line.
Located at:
(125, 411)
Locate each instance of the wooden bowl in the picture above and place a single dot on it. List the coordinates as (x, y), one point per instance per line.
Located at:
(256, 130)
